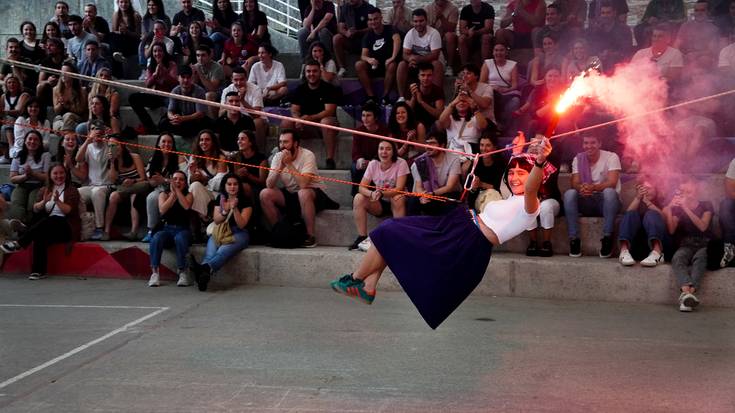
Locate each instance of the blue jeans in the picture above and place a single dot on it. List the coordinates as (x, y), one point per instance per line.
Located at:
(605, 204)
(170, 236)
(218, 38)
(653, 226)
(216, 256)
(727, 219)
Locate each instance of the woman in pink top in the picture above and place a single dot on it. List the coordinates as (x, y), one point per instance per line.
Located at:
(389, 174)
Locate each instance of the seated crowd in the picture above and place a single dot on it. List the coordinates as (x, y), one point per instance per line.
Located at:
(401, 58)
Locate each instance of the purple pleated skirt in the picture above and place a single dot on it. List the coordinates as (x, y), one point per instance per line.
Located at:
(438, 261)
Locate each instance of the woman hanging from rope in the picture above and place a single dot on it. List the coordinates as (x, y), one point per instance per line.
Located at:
(440, 260)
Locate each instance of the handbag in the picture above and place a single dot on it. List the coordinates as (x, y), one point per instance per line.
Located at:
(222, 233)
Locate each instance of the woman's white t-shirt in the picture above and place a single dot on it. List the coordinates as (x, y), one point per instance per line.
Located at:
(508, 218)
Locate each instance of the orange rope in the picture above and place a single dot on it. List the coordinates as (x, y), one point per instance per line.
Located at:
(39, 68)
(211, 158)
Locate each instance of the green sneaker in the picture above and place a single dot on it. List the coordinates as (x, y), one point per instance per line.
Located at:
(353, 288)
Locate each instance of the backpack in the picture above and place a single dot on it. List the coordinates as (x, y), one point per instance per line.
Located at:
(288, 233)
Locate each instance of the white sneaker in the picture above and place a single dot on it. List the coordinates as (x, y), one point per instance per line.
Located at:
(365, 245)
(10, 247)
(684, 309)
(401, 99)
(36, 276)
(184, 280)
(4, 160)
(154, 281)
(448, 71)
(341, 72)
(690, 300)
(653, 259)
(626, 259)
(119, 57)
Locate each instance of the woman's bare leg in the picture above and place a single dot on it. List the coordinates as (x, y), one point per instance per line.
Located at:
(370, 269)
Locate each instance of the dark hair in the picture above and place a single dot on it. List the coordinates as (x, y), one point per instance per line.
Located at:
(251, 137)
(269, 49)
(226, 17)
(59, 157)
(393, 145)
(372, 108)
(185, 70)
(76, 85)
(106, 117)
(241, 197)
(156, 162)
(127, 158)
(204, 48)
(216, 149)
(50, 183)
(185, 189)
(419, 12)
(292, 132)
(439, 135)
(310, 61)
(239, 70)
(75, 18)
(90, 5)
(472, 68)
(62, 3)
(94, 43)
(663, 27)
(327, 55)
(161, 9)
(11, 40)
(23, 154)
(25, 23)
(551, 36)
(516, 162)
(232, 93)
(425, 66)
(555, 6)
(59, 44)
(130, 15)
(44, 37)
(167, 58)
(393, 126)
(247, 18)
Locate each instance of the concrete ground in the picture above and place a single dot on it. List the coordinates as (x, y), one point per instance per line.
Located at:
(75, 345)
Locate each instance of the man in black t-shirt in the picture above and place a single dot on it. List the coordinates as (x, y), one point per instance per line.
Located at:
(351, 27)
(475, 30)
(315, 100)
(229, 125)
(427, 99)
(380, 48)
(183, 19)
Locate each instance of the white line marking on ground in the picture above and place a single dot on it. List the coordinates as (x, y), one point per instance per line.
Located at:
(83, 347)
(121, 307)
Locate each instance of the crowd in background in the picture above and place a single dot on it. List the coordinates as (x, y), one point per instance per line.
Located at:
(402, 59)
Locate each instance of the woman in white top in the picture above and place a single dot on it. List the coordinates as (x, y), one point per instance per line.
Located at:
(28, 174)
(463, 123)
(32, 119)
(388, 174)
(502, 75)
(12, 105)
(269, 75)
(440, 260)
(205, 174)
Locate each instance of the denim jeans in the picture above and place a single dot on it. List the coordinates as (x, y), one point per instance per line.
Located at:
(727, 219)
(171, 236)
(151, 207)
(216, 256)
(605, 204)
(218, 38)
(685, 257)
(324, 36)
(653, 227)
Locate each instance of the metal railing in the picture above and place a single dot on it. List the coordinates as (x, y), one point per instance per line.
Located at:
(284, 17)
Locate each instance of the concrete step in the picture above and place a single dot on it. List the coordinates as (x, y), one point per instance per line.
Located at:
(508, 275)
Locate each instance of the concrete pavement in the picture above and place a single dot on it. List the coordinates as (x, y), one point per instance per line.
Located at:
(281, 349)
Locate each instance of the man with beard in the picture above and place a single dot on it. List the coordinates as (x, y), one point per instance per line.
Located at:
(300, 195)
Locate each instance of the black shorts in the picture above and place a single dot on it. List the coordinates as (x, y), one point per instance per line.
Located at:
(379, 70)
(322, 201)
(387, 211)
